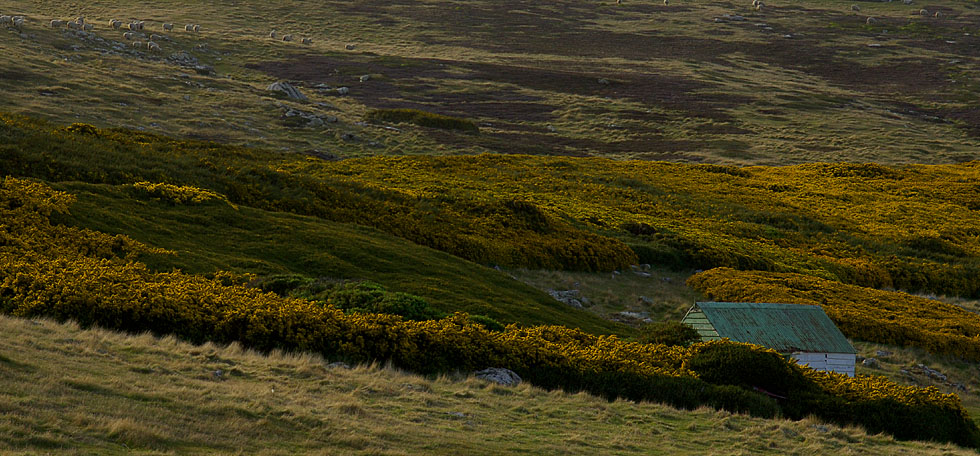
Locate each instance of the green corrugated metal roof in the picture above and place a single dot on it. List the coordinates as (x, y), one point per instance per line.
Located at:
(785, 328)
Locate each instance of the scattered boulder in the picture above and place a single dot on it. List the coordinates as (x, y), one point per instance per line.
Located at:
(871, 362)
(182, 58)
(301, 119)
(286, 89)
(932, 373)
(569, 297)
(343, 91)
(499, 375)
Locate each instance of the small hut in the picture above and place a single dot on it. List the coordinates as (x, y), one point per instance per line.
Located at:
(803, 332)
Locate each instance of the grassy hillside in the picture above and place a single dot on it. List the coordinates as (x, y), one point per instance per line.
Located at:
(206, 238)
(792, 83)
(72, 391)
(909, 227)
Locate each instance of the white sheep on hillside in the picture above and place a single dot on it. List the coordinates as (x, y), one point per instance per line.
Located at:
(115, 24)
(151, 46)
(18, 21)
(168, 27)
(307, 40)
(189, 28)
(133, 35)
(155, 37)
(6, 19)
(197, 27)
(88, 27)
(137, 44)
(287, 37)
(871, 21)
(272, 34)
(855, 8)
(80, 19)
(133, 26)
(72, 25)
(759, 6)
(58, 23)
(939, 15)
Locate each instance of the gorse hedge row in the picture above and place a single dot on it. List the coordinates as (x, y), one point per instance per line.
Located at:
(69, 273)
(885, 317)
(912, 228)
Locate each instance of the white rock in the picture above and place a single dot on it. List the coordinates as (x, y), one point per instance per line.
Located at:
(499, 375)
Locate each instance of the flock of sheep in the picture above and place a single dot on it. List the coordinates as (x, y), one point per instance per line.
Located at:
(288, 37)
(17, 21)
(134, 30)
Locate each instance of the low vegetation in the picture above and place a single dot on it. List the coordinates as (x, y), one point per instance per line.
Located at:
(68, 273)
(422, 119)
(863, 224)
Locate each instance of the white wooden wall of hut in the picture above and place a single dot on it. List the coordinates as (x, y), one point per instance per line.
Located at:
(836, 362)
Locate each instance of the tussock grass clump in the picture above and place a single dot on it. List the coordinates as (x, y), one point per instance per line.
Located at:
(422, 119)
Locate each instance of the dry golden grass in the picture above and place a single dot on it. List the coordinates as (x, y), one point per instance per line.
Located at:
(72, 391)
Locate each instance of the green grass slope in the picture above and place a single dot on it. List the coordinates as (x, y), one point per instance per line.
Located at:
(74, 392)
(218, 236)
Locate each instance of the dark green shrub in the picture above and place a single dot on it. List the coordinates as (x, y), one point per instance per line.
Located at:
(82, 129)
(668, 333)
(281, 284)
(422, 119)
(487, 322)
(728, 363)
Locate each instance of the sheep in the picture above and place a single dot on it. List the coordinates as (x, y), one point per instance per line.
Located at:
(6, 19)
(307, 40)
(137, 44)
(168, 27)
(871, 21)
(939, 15)
(132, 35)
(72, 25)
(923, 12)
(666, 2)
(287, 37)
(115, 24)
(760, 5)
(197, 28)
(272, 34)
(855, 8)
(755, 3)
(189, 28)
(151, 46)
(88, 27)
(134, 26)
(142, 24)
(18, 21)
(80, 19)
(58, 23)
(155, 37)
